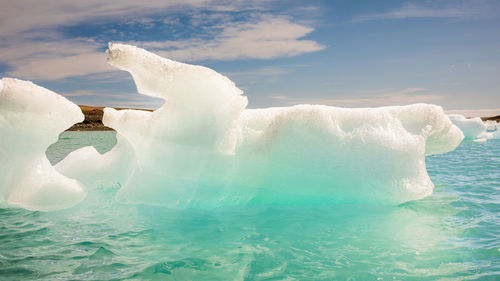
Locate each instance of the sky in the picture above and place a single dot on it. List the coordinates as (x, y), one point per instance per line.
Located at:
(280, 53)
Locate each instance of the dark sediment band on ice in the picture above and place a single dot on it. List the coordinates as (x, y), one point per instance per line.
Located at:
(93, 119)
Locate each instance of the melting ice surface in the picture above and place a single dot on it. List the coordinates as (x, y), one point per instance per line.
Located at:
(202, 148)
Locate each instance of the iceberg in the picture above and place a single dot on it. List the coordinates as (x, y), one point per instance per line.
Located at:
(31, 118)
(491, 125)
(203, 149)
(474, 129)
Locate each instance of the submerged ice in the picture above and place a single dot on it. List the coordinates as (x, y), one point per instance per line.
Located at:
(203, 149)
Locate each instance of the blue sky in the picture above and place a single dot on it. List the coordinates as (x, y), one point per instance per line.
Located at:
(340, 53)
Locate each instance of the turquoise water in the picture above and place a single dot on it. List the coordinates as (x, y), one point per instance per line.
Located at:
(451, 235)
(103, 141)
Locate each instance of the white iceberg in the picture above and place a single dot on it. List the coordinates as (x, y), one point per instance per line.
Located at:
(474, 129)
(31, 119)
(202, 148)
(491, 125)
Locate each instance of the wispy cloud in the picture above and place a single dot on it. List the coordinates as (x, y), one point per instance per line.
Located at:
(79, 93)
(33, 46)
(62, 67)
(383, 97)
(263, 71)
(475, 112)
(264, 39)
(463, 9)
(28, 16)
(258, 75)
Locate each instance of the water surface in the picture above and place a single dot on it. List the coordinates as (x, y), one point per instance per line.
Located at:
(451, 235)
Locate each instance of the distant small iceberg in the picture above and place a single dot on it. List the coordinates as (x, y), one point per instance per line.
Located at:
(491, 125)
(475, 129)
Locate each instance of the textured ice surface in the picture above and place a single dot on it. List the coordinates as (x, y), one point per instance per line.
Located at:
(203, 149)
(473, 128)
(31, 119)
(492, 129)
(491, 125)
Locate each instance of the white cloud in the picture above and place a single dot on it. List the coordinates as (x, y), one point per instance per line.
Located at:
(264, 39)
(28, 15)
(58, 68)
(463, 9)
(32, 46)
(58, 58)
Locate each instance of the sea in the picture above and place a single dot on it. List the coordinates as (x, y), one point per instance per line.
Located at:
(454, 234)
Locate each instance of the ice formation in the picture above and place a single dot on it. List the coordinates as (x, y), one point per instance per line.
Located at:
(491, 125)
(473, 128)
(202, 148)
(31, 119)
(96, 170)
